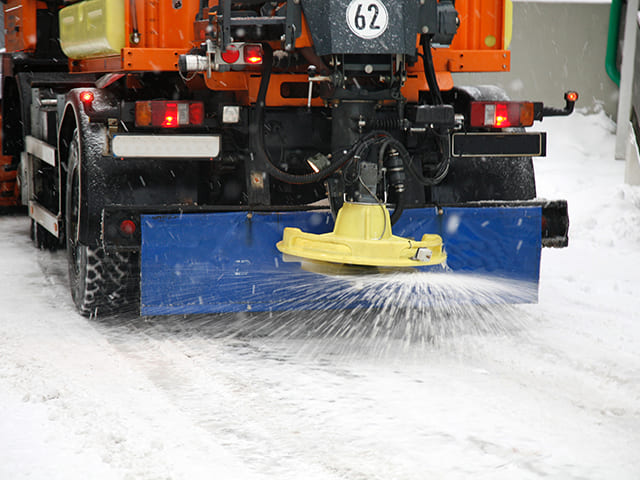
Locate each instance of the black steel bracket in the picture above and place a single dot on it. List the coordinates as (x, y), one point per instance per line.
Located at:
(540, 111)
(292, 23)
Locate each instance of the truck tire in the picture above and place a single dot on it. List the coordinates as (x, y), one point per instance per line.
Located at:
(478, 178)
(98, 280)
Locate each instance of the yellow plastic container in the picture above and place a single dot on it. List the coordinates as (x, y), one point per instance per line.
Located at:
(93, 28)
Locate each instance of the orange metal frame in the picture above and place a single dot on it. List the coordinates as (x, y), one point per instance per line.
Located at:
(160, 25)
(479, 45)
(20, 25)
(165, 33)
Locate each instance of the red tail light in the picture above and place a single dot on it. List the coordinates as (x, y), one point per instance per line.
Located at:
(240, 54)
(231, 54)
(169, 114)
(168, 117)
(253, 54)
(128, 227)
(502, 114)
(86, 96)
(196, 113)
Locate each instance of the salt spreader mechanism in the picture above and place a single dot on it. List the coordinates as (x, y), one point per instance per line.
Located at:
(177, 150)
(362, 236)
(362, 233)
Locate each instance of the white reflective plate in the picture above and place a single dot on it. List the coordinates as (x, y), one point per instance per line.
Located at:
(367, 19)
(166, 146)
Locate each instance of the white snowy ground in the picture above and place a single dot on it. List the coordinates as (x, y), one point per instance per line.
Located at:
(549, 390)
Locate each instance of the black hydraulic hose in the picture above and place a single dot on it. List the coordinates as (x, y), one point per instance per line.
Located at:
(436, 96)
(408, 163)
(267, 67)
(339, 159)
(397, 213)
(430, 71)
(427, 182)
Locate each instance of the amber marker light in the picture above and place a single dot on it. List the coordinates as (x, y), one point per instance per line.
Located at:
(253, 54)
(143, 114)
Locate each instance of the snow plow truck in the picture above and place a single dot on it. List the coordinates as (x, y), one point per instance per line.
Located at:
(182, 151)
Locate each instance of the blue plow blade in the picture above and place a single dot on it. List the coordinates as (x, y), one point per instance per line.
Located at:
(228, 262)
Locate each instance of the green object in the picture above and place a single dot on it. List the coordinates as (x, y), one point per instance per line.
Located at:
(612, 41)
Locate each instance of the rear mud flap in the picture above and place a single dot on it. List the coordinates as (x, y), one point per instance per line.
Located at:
(228, 262)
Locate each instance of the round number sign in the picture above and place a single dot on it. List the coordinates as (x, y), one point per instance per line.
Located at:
(368, 19)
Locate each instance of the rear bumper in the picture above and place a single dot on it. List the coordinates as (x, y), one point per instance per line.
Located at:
(212, 262)
(554, 221)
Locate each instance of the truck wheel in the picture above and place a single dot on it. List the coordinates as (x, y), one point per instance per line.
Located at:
(97, 279)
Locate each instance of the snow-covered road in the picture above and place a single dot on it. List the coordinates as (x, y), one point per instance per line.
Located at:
(549, 390)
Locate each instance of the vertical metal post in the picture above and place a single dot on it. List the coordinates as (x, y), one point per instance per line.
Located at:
(226, 23)
(626, 79)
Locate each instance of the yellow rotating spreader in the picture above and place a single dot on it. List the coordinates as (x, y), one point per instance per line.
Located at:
(362, 236)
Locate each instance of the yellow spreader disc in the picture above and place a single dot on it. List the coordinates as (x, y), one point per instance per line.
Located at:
(362, 236)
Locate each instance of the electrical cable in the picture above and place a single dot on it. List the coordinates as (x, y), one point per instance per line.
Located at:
(408, 163)
(430, 71)
(436, 96)
(380, 204)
